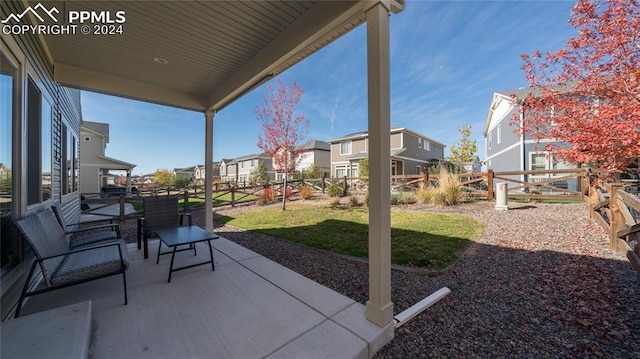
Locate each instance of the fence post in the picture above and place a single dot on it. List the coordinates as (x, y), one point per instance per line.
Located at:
(425, 179)
(233, 196)
(324, 176)
(344, 190)
(121, 200)
(617, 219)
(490, 195)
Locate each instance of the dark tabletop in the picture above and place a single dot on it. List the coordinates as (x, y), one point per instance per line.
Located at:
(184, 235)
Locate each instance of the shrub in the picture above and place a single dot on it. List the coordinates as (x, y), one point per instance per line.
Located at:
(268, 196)
(335, 202)
(306, 192)
(425, 194)
(353, 201)
(450, 187)
(288, 192)
(335, 189)
(403, 198)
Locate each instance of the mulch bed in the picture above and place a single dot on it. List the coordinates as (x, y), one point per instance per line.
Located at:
(540, 283)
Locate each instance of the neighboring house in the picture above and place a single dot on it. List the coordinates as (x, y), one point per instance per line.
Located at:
(506, 149)
(314, 152)
(411, 153)
(199, 176)
(94, 165)
(474, 166)
(187, 172)
(245, 165)
(227, 169)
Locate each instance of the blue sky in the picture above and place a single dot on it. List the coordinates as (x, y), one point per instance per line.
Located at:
(447, 60)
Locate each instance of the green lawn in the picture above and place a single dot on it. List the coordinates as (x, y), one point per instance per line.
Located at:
(421, 239)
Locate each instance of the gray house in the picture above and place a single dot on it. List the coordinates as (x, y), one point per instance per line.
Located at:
(508, 150)
(94, 165)
(411, 153)
(240, 168)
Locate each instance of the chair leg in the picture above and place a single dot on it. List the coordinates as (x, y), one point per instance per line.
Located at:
(159, 245)
(23, 295)
(124, 281)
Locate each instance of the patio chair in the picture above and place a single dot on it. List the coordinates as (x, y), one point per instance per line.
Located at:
(80, 234)
(62, 266)
(159, 212)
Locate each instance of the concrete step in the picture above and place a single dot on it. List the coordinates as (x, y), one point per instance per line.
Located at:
(57, 333)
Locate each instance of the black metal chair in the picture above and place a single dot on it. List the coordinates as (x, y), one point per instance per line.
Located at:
(80, 234)
(62, 266)
(159, 212)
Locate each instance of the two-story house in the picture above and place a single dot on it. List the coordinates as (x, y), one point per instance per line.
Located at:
(509, 150)
(94, 165)
(314, 152)
(411, 153)
(240, 168)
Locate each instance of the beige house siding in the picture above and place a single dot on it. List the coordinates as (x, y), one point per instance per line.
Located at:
(411, 152)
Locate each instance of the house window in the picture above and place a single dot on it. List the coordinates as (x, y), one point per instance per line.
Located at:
(69, 161)
(418, 169)
(427, 145)
(419, 142)
(499, 134)
(38, 146)
(355, 170)
(538, 161)
(489, 137)
(341, 171)
(345, 148)
(10, 239)
(254, 162)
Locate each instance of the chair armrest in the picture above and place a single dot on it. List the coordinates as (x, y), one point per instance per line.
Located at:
(114, 227)
(84, 249)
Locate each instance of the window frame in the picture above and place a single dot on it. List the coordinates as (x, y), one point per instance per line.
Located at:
(349, 145)
(31, 79)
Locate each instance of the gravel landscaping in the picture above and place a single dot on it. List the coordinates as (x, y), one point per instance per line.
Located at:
(540, 283)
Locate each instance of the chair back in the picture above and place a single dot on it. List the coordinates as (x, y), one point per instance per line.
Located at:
(160, 212)
(46, 237)
(56, 210)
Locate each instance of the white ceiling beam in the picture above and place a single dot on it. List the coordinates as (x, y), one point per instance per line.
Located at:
(77, 77)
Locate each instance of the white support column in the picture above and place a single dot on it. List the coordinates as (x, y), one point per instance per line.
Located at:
(208, 171)
(379, 305)
(129, 182)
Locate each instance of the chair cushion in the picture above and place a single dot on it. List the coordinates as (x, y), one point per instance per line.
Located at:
(91, 263)
(91, 238)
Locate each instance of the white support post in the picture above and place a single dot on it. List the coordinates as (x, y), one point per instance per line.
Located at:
(208, 171)
(379, 306)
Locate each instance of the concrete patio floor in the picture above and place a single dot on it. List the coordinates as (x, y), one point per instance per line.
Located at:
(249, 307)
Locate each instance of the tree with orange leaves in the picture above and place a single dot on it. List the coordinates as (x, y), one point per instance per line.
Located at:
(588, 93)
(283, 129)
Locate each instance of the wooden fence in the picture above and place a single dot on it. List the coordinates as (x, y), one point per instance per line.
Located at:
(618, 212)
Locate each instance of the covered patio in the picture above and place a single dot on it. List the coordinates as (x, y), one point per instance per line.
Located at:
(202, 56)
(249, 307)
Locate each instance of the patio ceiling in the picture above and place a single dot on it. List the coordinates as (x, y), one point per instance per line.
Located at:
(215, 51)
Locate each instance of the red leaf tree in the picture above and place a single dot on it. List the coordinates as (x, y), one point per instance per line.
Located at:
(588, 93)
(283, 128)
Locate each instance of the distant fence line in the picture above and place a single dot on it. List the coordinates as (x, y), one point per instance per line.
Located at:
(615, 206)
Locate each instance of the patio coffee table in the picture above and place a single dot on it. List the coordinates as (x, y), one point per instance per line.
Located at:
(177, 236)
